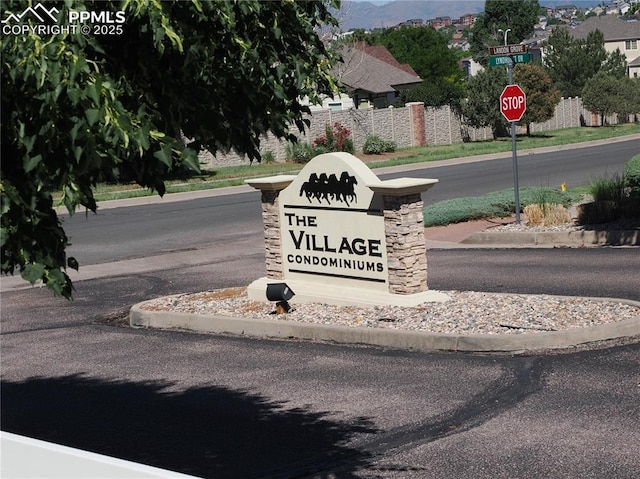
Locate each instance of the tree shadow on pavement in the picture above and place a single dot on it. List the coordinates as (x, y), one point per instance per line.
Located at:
(205, 431)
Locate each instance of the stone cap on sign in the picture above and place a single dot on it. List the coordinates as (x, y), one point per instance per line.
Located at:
(402, 186)
(271, 183)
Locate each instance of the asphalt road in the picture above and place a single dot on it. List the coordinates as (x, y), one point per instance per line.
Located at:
(123, 233)
(225, 407)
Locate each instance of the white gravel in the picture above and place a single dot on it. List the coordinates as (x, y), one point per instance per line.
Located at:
(465, 313)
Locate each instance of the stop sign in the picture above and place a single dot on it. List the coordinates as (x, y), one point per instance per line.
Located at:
(513, 102)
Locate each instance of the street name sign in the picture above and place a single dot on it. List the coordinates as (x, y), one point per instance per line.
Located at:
(507, 50)
(513, 102)
(506, 60)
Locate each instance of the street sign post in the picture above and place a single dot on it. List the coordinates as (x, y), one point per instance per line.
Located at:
(513, 103)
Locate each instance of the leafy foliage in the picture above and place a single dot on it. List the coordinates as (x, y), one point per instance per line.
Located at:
(482, 105)
(77, 108)
(629, 103)
(571, 62)
(302, 152)
(427, 52)
(518, 15)
(602, 95)
(632, 175)
(336, 138)
(542, 95)
(615, 64)
(374, 145)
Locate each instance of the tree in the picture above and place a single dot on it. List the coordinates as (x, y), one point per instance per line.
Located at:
(602, 95)
(630, 99)
(518, 15)
(606, 94)
(542, 95)
(615, 64)
(482, 106)
(76, 106)
(429, 55)
(571, 62)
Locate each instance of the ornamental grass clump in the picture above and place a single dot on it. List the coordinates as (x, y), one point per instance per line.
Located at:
(546, 214)
(608, 188)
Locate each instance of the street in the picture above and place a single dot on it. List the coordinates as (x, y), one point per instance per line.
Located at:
(221, 220)
(216, 406)
(213, 406)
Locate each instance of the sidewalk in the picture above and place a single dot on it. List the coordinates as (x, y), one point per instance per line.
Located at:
(480, 234)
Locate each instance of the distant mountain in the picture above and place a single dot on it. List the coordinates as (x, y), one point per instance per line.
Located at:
(370, 15)
(381, 14)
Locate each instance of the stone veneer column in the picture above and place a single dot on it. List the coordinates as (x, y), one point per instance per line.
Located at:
(271, 188)
(404, 233)
(272, 241)
(418, 124)
(406, 245)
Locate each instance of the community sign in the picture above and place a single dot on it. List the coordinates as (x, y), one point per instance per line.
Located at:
(332, 224)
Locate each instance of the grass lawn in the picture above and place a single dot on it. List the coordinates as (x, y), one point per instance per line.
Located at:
(235, 175)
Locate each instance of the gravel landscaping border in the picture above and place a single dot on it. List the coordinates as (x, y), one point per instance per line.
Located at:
(469, 321)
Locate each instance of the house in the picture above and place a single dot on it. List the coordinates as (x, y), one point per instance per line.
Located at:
(373, 77)
(439, 22)
(566, 11)
(470, 67)
(634, 68)
(618, 34)
(458, 41)
(468, 19)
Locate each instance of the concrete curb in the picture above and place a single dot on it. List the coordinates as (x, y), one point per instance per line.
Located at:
(390, 338)
(578, 238)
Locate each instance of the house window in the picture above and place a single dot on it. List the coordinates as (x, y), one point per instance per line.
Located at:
(631, 45)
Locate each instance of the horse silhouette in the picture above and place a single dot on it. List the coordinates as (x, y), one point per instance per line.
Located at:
(329, 188)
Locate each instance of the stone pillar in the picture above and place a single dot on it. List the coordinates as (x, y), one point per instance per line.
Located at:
(272, 241)
(404, 233)
(271, 188)
(406, 245)
(418, 124)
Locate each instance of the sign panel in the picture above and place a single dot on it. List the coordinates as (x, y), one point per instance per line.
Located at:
(506, 60)
(332, 224)
(507, 50)
(513, 102)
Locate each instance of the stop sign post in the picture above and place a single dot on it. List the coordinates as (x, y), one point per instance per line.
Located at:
(513, 103)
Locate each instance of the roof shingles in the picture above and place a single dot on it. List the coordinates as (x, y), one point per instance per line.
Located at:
(375, 70)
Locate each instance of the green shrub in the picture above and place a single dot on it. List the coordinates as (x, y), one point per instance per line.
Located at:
(492, 205)
(374, 145)
(632, 175)
(302, 152)
(608, 188)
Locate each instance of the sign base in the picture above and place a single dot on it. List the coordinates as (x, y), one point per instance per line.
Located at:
(310, 292)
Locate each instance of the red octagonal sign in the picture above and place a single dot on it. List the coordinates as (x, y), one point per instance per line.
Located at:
(513, 102)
